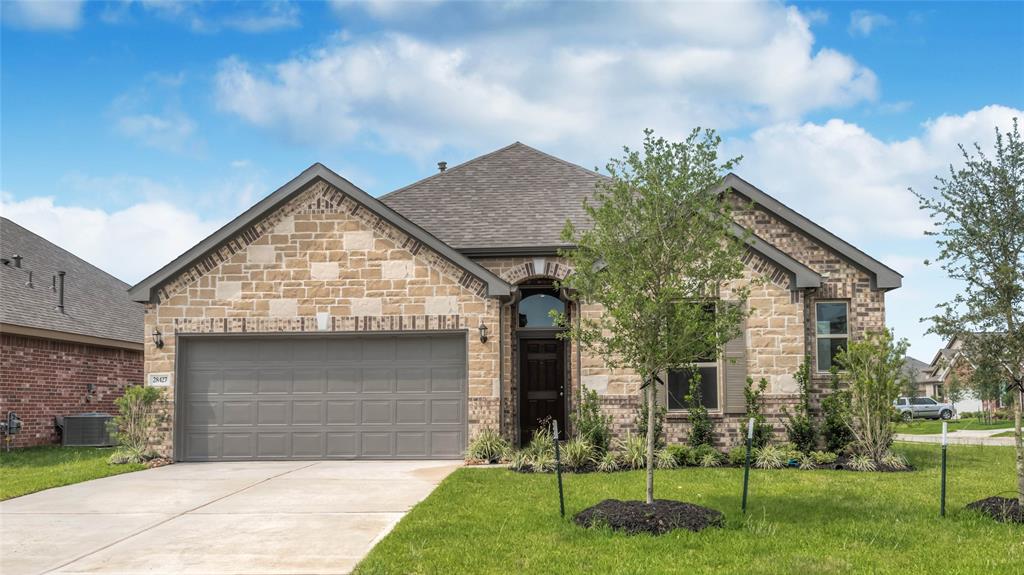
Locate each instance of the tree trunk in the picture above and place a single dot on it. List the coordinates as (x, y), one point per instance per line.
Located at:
(652, 405)
(1018, 442)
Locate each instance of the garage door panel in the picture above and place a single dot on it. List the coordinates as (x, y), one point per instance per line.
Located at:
(300, 397)
(240, 381)
(275, 381)
(309, 381)
(344, 380)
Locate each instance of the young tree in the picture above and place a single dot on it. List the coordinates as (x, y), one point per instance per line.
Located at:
(954, 392)
(873, 369)
(979, 228)
(660, 246)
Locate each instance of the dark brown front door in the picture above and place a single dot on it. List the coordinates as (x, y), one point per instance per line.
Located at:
(542, 384)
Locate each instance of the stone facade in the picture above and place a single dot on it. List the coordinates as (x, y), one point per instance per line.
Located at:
(324, 263)
(45, 378)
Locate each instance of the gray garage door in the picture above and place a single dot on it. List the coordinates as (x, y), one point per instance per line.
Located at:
(299, 397)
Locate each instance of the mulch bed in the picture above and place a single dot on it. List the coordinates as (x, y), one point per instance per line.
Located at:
(660, 517)
(1002, 509)
(842, 465)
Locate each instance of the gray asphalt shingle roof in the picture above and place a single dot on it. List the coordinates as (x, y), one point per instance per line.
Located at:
(513, 197)
(96, 303)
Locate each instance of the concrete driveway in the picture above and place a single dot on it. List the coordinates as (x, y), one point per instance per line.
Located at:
(215, 518)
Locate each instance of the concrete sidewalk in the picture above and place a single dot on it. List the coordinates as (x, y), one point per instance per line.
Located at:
(962, 437)
(215, 518)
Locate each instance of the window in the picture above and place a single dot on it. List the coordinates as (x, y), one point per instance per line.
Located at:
(534, 310)
(901, 401)
(832, 330)
(679, 382)
(922, 401)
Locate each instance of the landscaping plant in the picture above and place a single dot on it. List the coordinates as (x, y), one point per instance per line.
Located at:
(665, 459)
(873, 368)
(659, 423)
(487, 446)
(800, 425)
(978, 217)
(577, 454)
(835, 411)
(133, 426)
(754, 396)
(770, 457)
(702, 429)
(634, 451)
(660, 240)
(682, 453)
(590, 423)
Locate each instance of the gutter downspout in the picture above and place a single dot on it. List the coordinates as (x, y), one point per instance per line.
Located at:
(501, 368)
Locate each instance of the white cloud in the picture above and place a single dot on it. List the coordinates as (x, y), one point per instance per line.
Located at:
(129, 244)
(272, 16)
(726, 65)
(864, 22)
(42, 14)
(163, 132)
(852, 182)
(168, 128)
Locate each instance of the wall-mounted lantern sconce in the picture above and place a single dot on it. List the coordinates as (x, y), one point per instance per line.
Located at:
(158, 338)
(483, 333)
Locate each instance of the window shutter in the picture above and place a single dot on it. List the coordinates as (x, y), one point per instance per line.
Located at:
(735, 367)
(662, 391)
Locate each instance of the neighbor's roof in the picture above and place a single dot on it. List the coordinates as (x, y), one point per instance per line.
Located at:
(515, 197)
(919, 370)
(143, 291)
(515, 201)
(96, 304)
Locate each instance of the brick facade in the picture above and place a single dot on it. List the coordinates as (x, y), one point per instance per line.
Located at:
(44, 378)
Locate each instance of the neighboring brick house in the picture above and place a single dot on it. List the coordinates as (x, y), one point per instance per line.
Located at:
(55, 359)
(950, 362)
(326, 323)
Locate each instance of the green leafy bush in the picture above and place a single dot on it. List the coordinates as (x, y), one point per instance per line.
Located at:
(770, 457)
(634, 451)
(487, 446)
(895, 461)
(541, 445)
(133, 426)
(659, 424)
(543, 461)
(682, 453)
(823, 457)
(800, 428)
(704, 454)
(807, 462)
(861, 462)
(702, 429)
(590, 423)
(664, 459)
(577, 454)
(836, 415)
(519, 461)
(738, 455)
(755, 405)
(610, 461)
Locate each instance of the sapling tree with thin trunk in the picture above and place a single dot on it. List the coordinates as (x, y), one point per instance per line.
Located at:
(978, 218)
(659, 246)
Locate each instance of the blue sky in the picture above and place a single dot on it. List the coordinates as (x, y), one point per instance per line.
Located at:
(129, 130)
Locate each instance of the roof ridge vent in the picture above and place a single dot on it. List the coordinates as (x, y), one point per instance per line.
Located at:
(442, 166)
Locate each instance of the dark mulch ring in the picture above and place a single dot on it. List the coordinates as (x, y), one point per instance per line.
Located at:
(1002, 509)
(660, 517)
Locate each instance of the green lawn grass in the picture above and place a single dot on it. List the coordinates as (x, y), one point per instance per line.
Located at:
(933, 426)
(802, 522)
(25, 471)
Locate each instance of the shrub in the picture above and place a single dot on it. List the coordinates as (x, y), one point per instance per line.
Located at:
(836, 415)
(634, 451)
(895, 461)
(590, 424)
(664, 459)
(703, 454)
(807, 462)
(610, 461)
(862, 462)
(702, 430)
(769, 457)
(754, 398)
(659, 423)
(874, 369)
(823, 457)
(577, 454)
(134, 423)
(738, 455)
(542, 444)
(799, 425)
(487, 446)
(682, 453)
(543, 461)
(519, 461)
(789, 452)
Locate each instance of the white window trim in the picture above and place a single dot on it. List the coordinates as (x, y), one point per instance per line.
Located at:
(818, 336)
(717, 364)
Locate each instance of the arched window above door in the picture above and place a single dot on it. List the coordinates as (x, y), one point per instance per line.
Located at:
(535, 310)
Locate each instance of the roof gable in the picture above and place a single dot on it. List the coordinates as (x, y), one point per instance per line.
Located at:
(96, 304)
(208, 248)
